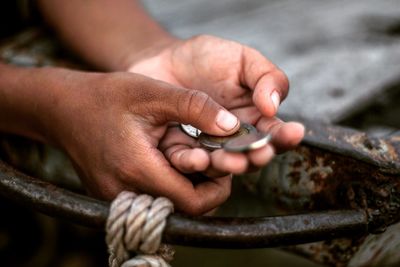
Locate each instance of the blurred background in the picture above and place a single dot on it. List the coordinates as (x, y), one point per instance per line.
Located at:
(343, 61)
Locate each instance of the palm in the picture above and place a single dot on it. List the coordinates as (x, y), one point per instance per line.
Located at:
(212, 65)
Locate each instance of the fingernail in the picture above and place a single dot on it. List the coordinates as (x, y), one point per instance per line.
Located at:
(275, 99)
(226, 121)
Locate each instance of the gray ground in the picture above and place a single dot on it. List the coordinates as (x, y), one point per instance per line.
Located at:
(338, 54)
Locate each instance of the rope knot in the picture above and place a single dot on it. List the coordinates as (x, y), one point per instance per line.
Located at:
(135, 224)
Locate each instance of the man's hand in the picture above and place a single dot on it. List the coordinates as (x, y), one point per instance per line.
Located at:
(237, 77)
(111, 125)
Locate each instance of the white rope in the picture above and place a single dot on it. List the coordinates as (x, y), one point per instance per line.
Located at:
(135, 224)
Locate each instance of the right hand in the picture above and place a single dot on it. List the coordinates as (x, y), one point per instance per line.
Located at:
(111, 125)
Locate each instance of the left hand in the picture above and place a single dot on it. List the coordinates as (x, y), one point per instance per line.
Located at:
(237, 77)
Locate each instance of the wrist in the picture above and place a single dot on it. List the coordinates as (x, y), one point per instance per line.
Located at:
(155, 47)
(19, 102)
(31, 101)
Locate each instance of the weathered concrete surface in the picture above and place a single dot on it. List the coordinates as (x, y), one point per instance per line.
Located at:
(339, 55)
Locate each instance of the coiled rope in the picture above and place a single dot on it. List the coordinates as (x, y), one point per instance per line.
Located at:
(134, 226)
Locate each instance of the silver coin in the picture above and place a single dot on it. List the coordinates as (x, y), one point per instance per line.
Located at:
(190, 130)
(212, 142)
(244, 143)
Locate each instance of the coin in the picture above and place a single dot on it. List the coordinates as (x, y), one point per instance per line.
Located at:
(212, 142)
(190, 130)
(245, 139)
(244, 143)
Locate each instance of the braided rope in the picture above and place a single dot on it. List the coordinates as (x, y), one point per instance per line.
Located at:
(135, 224)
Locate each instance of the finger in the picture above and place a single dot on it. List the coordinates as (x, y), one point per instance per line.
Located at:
(213, 173)
(161, 179)
(182, 152)
(193, 107)
(187, 159)
(226, 162)
(248, 114)
(175, 136)
(220, 188)
(270, 84)
(260, 157)
(256, 159)
(285, 135)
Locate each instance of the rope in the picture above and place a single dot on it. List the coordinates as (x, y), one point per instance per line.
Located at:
(135, 224)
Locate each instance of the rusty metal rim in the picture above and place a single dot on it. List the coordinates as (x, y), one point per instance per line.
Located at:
(337, 139)
(184, 230)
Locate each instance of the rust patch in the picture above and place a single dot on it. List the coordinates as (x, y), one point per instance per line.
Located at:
(334, 181)
(377, 148)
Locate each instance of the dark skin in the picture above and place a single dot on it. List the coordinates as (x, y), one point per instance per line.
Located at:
(118, 127)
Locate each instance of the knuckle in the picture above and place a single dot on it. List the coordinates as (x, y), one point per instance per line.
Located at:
(110, 191)
(203, 37)
(283, 81)
(193, 104)
(104, 187)
(240, 168)
(125, 171)
(195, 207)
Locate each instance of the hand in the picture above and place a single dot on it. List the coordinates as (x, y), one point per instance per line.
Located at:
(237, 77)
(111, 125)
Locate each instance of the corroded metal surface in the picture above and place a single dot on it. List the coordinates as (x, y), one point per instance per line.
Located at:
(264, 232)
(338, 168)
(380, 152)
(184, 230)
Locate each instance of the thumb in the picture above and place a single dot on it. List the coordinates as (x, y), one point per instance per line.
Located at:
(201, 111)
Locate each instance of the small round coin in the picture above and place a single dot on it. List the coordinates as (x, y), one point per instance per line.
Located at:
(247, 142)
(212, 142)
(190, 130)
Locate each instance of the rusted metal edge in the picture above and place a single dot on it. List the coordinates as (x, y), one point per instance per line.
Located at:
(383, 153)
(184, 230)
(264, 231)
